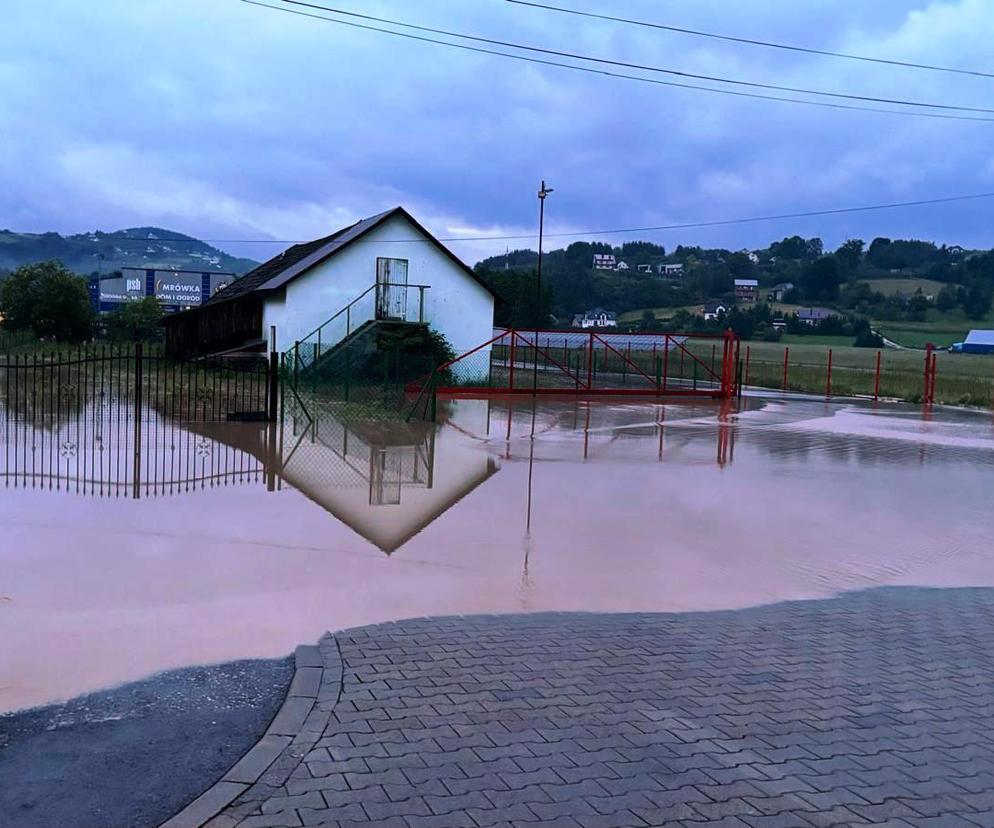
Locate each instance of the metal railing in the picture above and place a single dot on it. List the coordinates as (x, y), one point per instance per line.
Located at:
(381, 301)
(571, 362)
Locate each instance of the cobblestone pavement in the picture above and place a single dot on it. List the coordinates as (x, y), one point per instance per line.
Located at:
(874, 708)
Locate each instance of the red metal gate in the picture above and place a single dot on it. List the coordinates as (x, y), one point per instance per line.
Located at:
(519, 361)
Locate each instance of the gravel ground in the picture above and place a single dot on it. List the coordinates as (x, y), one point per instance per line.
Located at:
(134, 755)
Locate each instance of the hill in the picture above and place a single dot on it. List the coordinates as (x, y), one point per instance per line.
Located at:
(899, 281)
(87, 253)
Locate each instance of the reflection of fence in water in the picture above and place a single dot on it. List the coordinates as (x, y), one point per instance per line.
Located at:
(653, 431)
(385, 456)
(97, 448)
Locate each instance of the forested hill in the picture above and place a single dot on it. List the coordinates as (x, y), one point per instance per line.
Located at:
(878, 279)
(87, 253)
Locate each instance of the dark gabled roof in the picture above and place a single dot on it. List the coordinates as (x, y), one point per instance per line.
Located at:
(296, 260)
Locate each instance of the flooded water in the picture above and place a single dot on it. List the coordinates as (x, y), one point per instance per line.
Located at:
(229, 541)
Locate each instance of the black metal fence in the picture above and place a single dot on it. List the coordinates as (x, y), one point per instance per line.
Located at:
(106, 421)
(49, 387)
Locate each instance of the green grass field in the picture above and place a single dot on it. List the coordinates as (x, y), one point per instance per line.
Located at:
(961, 379)
(814, 339)
(906, 287)
(940, 328)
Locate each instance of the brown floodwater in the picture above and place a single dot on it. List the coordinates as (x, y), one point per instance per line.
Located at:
(237, 541)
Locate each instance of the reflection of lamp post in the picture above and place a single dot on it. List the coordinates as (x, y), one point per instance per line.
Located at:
(542, 193)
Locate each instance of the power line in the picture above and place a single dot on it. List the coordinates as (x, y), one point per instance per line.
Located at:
(626, 64)
(605, 73)
(611, 231)
(751, 42)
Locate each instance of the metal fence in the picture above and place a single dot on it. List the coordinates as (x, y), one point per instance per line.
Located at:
(52, 386)
(570, 362)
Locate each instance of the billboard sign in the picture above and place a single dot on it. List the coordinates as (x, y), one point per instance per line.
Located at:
(174, 289)
(123, 288)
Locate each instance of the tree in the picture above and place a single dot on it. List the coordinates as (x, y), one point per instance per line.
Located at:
(917, 307)
(48, 300)
(740, 266)
(648, 320)
(978, 299)
(822, 279)
(865, 335)
(136, 321)
(850, 255)
(946, 300)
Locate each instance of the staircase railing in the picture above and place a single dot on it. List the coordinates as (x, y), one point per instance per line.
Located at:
(362, 310)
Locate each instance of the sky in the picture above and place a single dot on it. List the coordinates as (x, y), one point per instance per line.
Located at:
(225, 120)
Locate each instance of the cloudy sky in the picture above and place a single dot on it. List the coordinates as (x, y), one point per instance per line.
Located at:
(225, 120)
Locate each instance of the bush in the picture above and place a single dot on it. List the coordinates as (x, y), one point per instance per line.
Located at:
(136, 321)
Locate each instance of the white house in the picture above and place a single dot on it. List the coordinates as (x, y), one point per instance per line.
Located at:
(387, 267)
(714, 310)
(621, 266)
(604, 261)
(596, 318)
(672, 269)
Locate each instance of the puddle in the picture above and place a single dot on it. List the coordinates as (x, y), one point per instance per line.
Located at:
(225, 542)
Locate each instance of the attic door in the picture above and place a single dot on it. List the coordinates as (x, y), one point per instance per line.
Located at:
(391, 288)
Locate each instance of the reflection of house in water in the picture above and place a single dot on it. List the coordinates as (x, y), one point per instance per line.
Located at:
(387, 480)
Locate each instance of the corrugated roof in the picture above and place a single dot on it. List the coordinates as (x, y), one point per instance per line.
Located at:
(980, 338)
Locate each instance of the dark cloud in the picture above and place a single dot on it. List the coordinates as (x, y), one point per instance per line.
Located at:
(223, 119)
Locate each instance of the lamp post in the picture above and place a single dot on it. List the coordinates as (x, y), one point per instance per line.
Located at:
(542, 193)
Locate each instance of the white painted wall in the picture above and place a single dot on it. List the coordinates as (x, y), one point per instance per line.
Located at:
(455, 304)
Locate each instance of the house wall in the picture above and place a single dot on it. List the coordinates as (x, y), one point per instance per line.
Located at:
(455, 304)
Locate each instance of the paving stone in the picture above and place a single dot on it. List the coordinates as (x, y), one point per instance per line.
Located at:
(870, 708)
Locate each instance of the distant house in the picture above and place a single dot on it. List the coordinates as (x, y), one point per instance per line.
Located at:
(645, 268)
(779, 324)
(604, 261)
(596, 318)
(672, 269)
(779, 291)
(812, 316)
(713, 310)
(621, 266)
(746, 290)
(977, 342)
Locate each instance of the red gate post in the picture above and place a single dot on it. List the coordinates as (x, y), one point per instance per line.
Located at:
(590, 363)
(876, 383)
(510, 384)
(926, 387)
(786, 355)
(714, 348)
(666, 360)
(748, 354)
(828, 381)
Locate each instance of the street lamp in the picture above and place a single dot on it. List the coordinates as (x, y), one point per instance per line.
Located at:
(542, 193)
